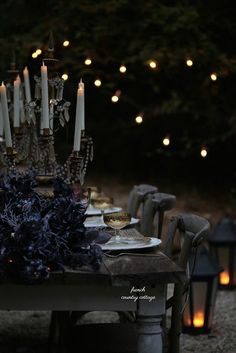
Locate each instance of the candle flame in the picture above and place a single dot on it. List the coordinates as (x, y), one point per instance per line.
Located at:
(81, 85)
(224, 278)
(3, 84)
(198, 320)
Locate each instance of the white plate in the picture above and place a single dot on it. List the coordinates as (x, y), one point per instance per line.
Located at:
(148, 243)
(92, 211)
(97, 222)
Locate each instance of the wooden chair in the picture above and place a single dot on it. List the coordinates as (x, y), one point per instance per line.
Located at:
(137, 196)
(155, 206)
(192, 230)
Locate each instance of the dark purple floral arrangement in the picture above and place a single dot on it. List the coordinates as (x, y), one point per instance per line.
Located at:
(39, 235)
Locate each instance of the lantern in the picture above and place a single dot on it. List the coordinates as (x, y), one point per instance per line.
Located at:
(198, 313)
(222, 243)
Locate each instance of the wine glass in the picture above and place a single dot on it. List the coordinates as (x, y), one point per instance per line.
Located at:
(95, 193)
(117, 221)
(102, 203)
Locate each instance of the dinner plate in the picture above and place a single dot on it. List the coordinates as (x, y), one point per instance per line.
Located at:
(97, 222)
(147, 242)
(92, 211)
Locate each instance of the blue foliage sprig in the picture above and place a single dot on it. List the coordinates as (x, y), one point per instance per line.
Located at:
(39, 235)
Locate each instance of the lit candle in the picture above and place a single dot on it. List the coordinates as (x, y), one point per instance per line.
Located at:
(5, 114)
(224, 278)
(79, 117)
(198, 320)
(16, 101)
(81, 87)
(27, 85)
(1, 122)
(44, 94)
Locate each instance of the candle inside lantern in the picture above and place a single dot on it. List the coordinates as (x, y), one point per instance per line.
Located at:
(16, 117)
(44, 93)
(79, 118)
(5, 113)
(224, 278)
(198, 320)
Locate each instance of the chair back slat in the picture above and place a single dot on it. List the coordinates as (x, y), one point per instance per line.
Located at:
(154, 208)
(137, 196)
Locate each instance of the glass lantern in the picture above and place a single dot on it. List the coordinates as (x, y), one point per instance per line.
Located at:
(223, 248)
(198, 313)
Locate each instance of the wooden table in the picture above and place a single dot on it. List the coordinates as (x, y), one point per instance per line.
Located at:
(111, 288)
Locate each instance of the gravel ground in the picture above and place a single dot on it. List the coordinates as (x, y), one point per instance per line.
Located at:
(26, 332)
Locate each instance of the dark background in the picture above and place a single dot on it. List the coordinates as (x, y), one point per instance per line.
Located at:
(177, 100)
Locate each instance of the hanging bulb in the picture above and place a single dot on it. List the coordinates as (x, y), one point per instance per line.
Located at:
(139, 118)
(122, 69)
(189, 62)
(152, 64)
(116, 96)
(114, 99)
(166, 141)
(203, 152)
(213, 76)
(34, 55)
(66, 43)
(97, 82)
(38, 52)
(88, 61)
(65, 77)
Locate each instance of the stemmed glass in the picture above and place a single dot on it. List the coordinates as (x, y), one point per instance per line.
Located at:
(117, 221)
(102, 203)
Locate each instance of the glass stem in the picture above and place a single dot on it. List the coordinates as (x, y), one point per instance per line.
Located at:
(102, 214)
(117, 235)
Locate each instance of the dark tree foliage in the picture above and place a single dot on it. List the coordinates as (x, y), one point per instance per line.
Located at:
(175, 99)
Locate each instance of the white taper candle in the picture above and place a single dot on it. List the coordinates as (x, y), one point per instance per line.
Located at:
(44, 94)
(27, 85)
(1, 121)
(16, 101)
(79, 117)
(5, 113)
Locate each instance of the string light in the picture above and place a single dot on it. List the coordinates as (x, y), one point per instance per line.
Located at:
(97, 82)
(139, 118)
(38, 52)
(34, 55)
(88, 61)
(116, 96)
(114, 99)
(203, 152)
(152, 64)
(166, 141)
(213, 76)
(66, 43)
(122, 69)
(65, 77)
(189, 62)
